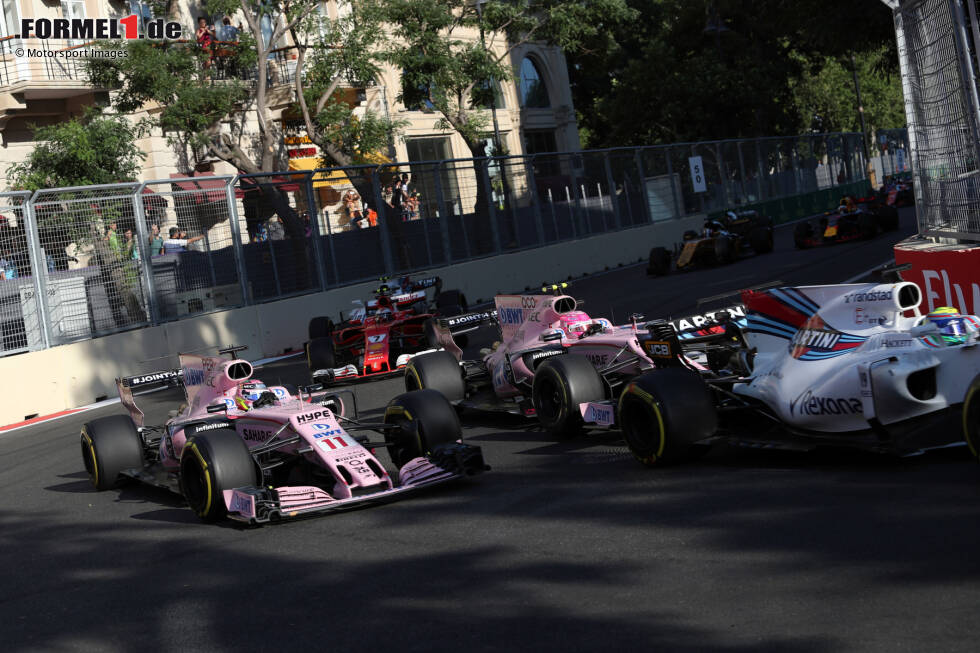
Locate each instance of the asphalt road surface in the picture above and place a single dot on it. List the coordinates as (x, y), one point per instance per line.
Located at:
(563, 546)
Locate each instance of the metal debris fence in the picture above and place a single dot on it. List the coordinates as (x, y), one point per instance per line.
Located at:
(938, 48)
(79, 263)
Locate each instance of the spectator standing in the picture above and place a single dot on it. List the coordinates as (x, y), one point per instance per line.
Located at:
(156, 240)
(178, 241)
(229, 33)
(275, 228)
(352, 202)
(205, 38)
(130, 250)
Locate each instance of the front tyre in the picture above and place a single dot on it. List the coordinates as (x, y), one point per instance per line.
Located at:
(211, 463)
(320, 354)
(426, 420)
(110, 446)
(560, 384)
(971, 418)
(664, 414)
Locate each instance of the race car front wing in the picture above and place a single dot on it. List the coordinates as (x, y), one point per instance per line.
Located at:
(255, 505)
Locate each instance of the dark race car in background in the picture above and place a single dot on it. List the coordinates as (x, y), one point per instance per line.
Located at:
(381, 335)
(722, 240)
(897, 192)
(854, 219)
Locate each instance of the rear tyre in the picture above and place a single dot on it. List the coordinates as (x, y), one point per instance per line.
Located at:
(110, 445)
(320, 354)
(451, 302)
(659, 264)
(560, 385)
(211, 463)
(664, 414)
(761, 240)
(320, 327)
(971, 418)
(802, 234)
(438, 371)
(426, 420)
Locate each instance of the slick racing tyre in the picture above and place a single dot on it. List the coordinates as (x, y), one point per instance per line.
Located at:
(320, 354)
(451, 302)
(426, 420)
(110, 445)
(436, 371)
(664, 414)
(724, 250)
(560, 384)
(320, 327)
(971, 418)
(659, 264)
(212, 462)
(802, 234)
(760, 239)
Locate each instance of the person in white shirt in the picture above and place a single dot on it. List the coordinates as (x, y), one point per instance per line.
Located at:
(178, 241)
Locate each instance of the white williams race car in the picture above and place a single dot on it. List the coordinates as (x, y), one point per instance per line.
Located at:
(855, 365)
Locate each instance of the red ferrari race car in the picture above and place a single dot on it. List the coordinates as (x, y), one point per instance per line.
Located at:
(854, 219)
(380, 336)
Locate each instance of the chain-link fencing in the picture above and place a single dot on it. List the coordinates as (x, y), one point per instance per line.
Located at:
(937, 47)
(84, 262)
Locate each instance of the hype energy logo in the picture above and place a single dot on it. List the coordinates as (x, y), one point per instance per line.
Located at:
(89, 29)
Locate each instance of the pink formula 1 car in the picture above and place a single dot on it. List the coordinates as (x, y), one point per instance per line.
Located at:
(258, 454)
(553, 361)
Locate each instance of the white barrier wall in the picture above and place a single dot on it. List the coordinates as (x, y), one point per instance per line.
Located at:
(80, 373)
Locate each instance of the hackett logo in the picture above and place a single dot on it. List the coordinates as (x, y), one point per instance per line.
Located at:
(97, 28)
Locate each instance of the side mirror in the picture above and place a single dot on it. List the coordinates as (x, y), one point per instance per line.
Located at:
(548, 337)
(217, 408)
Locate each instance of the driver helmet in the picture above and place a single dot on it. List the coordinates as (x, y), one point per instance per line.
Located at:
(574, 322)
(248, 392)
(953, 327)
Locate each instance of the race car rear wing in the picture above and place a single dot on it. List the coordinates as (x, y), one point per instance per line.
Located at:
(468, 321)
(127, 384)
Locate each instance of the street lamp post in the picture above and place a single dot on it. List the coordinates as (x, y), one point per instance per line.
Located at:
(493, 88)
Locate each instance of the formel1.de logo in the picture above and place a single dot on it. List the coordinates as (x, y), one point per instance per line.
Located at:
(91, 29)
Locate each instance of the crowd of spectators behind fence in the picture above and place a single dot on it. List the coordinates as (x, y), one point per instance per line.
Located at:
(401, 202)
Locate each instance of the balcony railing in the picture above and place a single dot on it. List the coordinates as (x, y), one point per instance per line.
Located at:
(53, 60)
(35, 60)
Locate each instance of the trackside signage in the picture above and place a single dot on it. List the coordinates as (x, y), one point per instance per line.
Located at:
(88, 29)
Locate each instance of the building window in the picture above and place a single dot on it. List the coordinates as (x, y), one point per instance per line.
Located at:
(144, 13)
(422, 150)
(534, 93)
(11, 18)
(541, 141)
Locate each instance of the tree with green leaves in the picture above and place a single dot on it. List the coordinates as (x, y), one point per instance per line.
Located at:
(225, 103)
(443, 66)
(94, 149)
(688, 70)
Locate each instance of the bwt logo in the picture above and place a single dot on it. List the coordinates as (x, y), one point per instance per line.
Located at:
(97, 28)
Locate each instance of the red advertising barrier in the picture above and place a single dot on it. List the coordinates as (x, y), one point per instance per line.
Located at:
(947, 275)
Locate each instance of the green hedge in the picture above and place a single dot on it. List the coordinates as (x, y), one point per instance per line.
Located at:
(794, 207)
